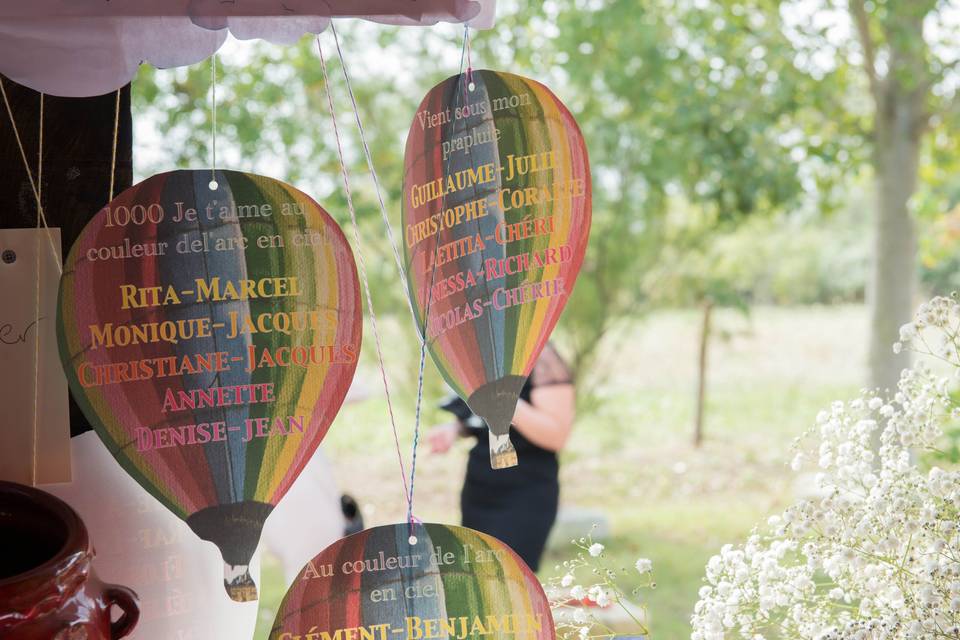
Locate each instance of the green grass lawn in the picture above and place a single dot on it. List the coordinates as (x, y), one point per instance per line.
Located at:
(680, 539)
(631, 455)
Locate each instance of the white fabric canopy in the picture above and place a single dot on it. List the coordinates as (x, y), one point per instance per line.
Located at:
(90, 47)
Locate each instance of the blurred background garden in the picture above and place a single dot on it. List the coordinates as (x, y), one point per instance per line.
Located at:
(774, 191)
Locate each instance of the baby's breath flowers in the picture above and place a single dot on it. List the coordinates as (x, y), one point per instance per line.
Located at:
(589, 577)
(936, 322)
(876, 556)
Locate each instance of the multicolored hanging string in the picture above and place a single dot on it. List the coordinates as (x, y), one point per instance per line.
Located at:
(373, 172)
(424, 338)
(466, 42)
(361, 263)
(421, 329)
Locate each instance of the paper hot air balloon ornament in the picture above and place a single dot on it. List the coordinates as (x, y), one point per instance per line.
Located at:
(496, 215)
(210, 331)
(452, 582)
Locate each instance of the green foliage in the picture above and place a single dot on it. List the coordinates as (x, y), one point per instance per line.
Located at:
(672, 97)
(903, 54)
(937, 207)
(780, 259)
(690, 110)
(698, 116)
(949, 452)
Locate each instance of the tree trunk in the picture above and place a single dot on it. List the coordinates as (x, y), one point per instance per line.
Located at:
(702, 373)
(899, 129)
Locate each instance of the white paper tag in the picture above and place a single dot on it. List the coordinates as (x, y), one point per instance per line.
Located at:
(35, 416)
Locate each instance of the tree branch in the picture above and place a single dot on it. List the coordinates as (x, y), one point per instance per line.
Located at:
(952, 108)
(858, 10)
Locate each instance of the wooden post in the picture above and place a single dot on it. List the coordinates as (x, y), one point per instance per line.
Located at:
(702, 373)
(78, 136)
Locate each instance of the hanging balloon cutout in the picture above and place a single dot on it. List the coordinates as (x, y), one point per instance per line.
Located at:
(496, 216)
(452, 582)
(210, 336)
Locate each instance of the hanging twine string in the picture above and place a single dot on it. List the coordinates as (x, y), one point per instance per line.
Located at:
(363, 272)
(40, 159)
(116, 137)
(26, 165)
(36, 312)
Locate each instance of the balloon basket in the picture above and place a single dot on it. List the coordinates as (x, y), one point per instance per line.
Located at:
(239, 583)
(496, 402)
(502, 453)
(235, 529)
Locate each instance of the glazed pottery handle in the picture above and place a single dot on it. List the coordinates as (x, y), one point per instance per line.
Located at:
(126, 600)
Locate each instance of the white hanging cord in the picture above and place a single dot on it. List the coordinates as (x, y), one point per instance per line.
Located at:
(213, 123)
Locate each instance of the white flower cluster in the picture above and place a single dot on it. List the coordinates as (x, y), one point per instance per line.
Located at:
(877, 554)
(939, 317)
(568, 596)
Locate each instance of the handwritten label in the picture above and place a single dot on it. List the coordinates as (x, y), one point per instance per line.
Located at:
(35, 436)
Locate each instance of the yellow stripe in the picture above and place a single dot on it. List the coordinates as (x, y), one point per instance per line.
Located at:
(533, 315)
(283, 450)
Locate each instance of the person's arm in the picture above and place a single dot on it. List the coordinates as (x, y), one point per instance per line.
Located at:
(442, 437)
(547, 419)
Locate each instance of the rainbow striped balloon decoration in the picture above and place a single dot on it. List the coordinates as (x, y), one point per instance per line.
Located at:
(451, 583)
(496, 216)
(210, 336)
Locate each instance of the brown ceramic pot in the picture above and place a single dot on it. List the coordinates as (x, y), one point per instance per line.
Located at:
(48, 589)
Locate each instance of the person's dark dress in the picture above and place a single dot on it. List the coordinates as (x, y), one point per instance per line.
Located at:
(516, 505)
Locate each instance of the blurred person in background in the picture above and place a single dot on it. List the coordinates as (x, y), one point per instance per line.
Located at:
(517, 505)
